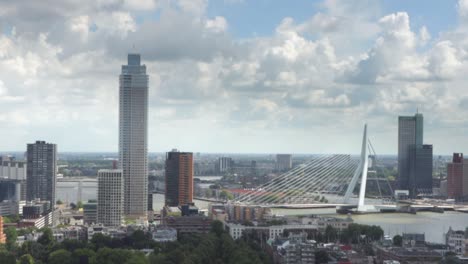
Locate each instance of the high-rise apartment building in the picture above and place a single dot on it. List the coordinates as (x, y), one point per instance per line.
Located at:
(41, 171)
(283, 162)
(110, 197)
(457, 177)
(179, 178)
(414, 164)
(133, 136)
(224, 164)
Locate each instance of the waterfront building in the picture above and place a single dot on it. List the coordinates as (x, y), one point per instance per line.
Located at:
(414, 171)
(455, 240)
(90, 212)
(457, 177)
(224, 164)
(420, 169)
(110, 197)
(2, 234)
(41, 171)
(133, 136)
(179, 178)
(283, 162)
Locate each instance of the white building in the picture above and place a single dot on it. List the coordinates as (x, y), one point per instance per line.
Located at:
(455, 240)
(133, 135)
(110, 197)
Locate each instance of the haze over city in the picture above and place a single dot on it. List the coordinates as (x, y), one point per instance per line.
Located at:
(236, 76)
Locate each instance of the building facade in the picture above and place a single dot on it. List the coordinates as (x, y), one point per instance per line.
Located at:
(110, 197)
(224, 164)
(41, 170)
(133, 136)
(179, 178)
(414, 171)
(283, 162)
(455, 176)
(420, 176)
(90, 212)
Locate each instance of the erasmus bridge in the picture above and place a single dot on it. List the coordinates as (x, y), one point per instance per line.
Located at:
(325, 181)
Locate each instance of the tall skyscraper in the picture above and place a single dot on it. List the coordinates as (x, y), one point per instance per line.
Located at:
(110, 197)
(283, 162)
(41, 172)
(414, 158)
(420, 176)
(179, 178)
(133, 136)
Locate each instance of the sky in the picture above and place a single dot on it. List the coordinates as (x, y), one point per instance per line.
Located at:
(236, 76)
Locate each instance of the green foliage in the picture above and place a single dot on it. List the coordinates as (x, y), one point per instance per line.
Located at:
(47, 237)
(398, 241)
(26, 259)
(321, 256)
(83, 255)
(330, 233)
(60, 256)
(7, 257)
(11, 236)
(79, 205)
(217, 228)
(59, 202)
(226, 195)
(356, 233)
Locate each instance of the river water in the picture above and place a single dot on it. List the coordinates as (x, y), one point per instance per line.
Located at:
(433, 225)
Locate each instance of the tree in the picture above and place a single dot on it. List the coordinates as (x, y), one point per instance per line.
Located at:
(330, 233)
(47, 237)
(26, 259)
(321, 256)
(79, 205)
(60, 256)
(398, 241)
(217, 227)
(59, 202)
(11, 236)
(7, 257)
(83, 255)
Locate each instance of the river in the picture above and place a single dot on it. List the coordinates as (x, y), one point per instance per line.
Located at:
(433, 225)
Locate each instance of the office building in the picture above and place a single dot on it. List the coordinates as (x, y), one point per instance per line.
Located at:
(457, 177)
(12, 180)
(179, 178)
(283, 162)
(413, 160)
(41, 171)
(224, 164)
(110, 197)
(133, 136)
(420, 180)
(90, 212)
(2, 234)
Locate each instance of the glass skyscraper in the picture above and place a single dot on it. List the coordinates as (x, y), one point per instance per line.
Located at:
(414, 158)
(133, 136)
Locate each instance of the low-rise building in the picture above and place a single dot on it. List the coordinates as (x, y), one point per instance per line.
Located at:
(189, 224)
(164, 234)
(296, 249)
(455, 240)
(90, 212)
(114, 232)
(407, 255)
(2, 235)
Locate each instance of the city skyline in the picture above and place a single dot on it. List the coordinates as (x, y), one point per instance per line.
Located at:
(282, 86)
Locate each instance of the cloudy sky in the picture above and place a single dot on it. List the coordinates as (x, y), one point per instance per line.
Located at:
(253, 76)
